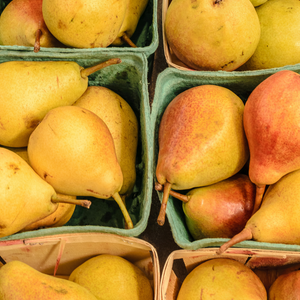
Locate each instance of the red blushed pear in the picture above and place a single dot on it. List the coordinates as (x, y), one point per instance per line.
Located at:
(272, 127)
(22, 24)
(220, 210)
(201, 140)
(277, 220)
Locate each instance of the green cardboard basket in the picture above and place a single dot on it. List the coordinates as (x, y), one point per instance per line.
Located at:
(169, 84)
(145, 36)
(129, 80)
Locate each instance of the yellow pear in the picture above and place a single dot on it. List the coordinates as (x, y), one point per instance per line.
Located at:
(201, 140)
(18, 281)
(222, 278)
(132, 16)
(85, 24)
(73, 150)
(112, 277)
(212, 34)
(122, 124)
(26, 198)
(29, 89)
(22, 24)
(258, 2)
(277, 220)
(62, 214)
(279, 43)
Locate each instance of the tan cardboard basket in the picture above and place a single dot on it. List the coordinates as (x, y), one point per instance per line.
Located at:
(59, 255)
(268, 265)
(175, 62)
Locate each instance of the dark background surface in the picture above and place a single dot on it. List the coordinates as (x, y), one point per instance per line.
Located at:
(158, 236)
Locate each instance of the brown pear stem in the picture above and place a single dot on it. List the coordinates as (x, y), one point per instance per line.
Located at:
(245, 234)
(258, 198)
(88, 71)
(128, 221)
(163, 207)
(82, 202)
(127, 40)
(37, 43)
(184, 198)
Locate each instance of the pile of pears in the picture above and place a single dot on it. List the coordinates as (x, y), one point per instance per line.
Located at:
(237, 165)
(80, 24)
(214, 35)
(62, 140)
(102, 277)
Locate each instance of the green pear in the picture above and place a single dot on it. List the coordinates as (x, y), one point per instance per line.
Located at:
(258, 2)
(18, 281)
(122, 124)
(219, 210)
(279, 44)
(85, 24)
(277, 220)
(29, 89)
(285, 287)
(274, 145)
(212, 34)
(22, 24)
(73, 150)
(112, 277)
(222, 278)
(132, 16)
(201, 140)
(26, 198)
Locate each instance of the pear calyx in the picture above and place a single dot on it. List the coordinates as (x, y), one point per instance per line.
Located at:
(88, 71)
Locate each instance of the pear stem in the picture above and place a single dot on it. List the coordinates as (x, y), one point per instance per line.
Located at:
(183, 198)
(118, 199)
(245, 234)
(163, 207)
(37, 45)
(258, 198)
(88, 71)
(127, 40)
(82, 202)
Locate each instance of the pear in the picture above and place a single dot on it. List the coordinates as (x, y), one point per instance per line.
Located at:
(112, 277)
(279, 43)
(285, 287)
(85, 24)
(219, 210)
(201, 140)
(258, 2)
(222, 278)
(29, 89)
(274, 145)
(122, 124)
(18, 280)
(212, 34)
(277, 220)
(132, 16)
(26, 198)
(22, 24)
(73, 150)
(60, 216)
